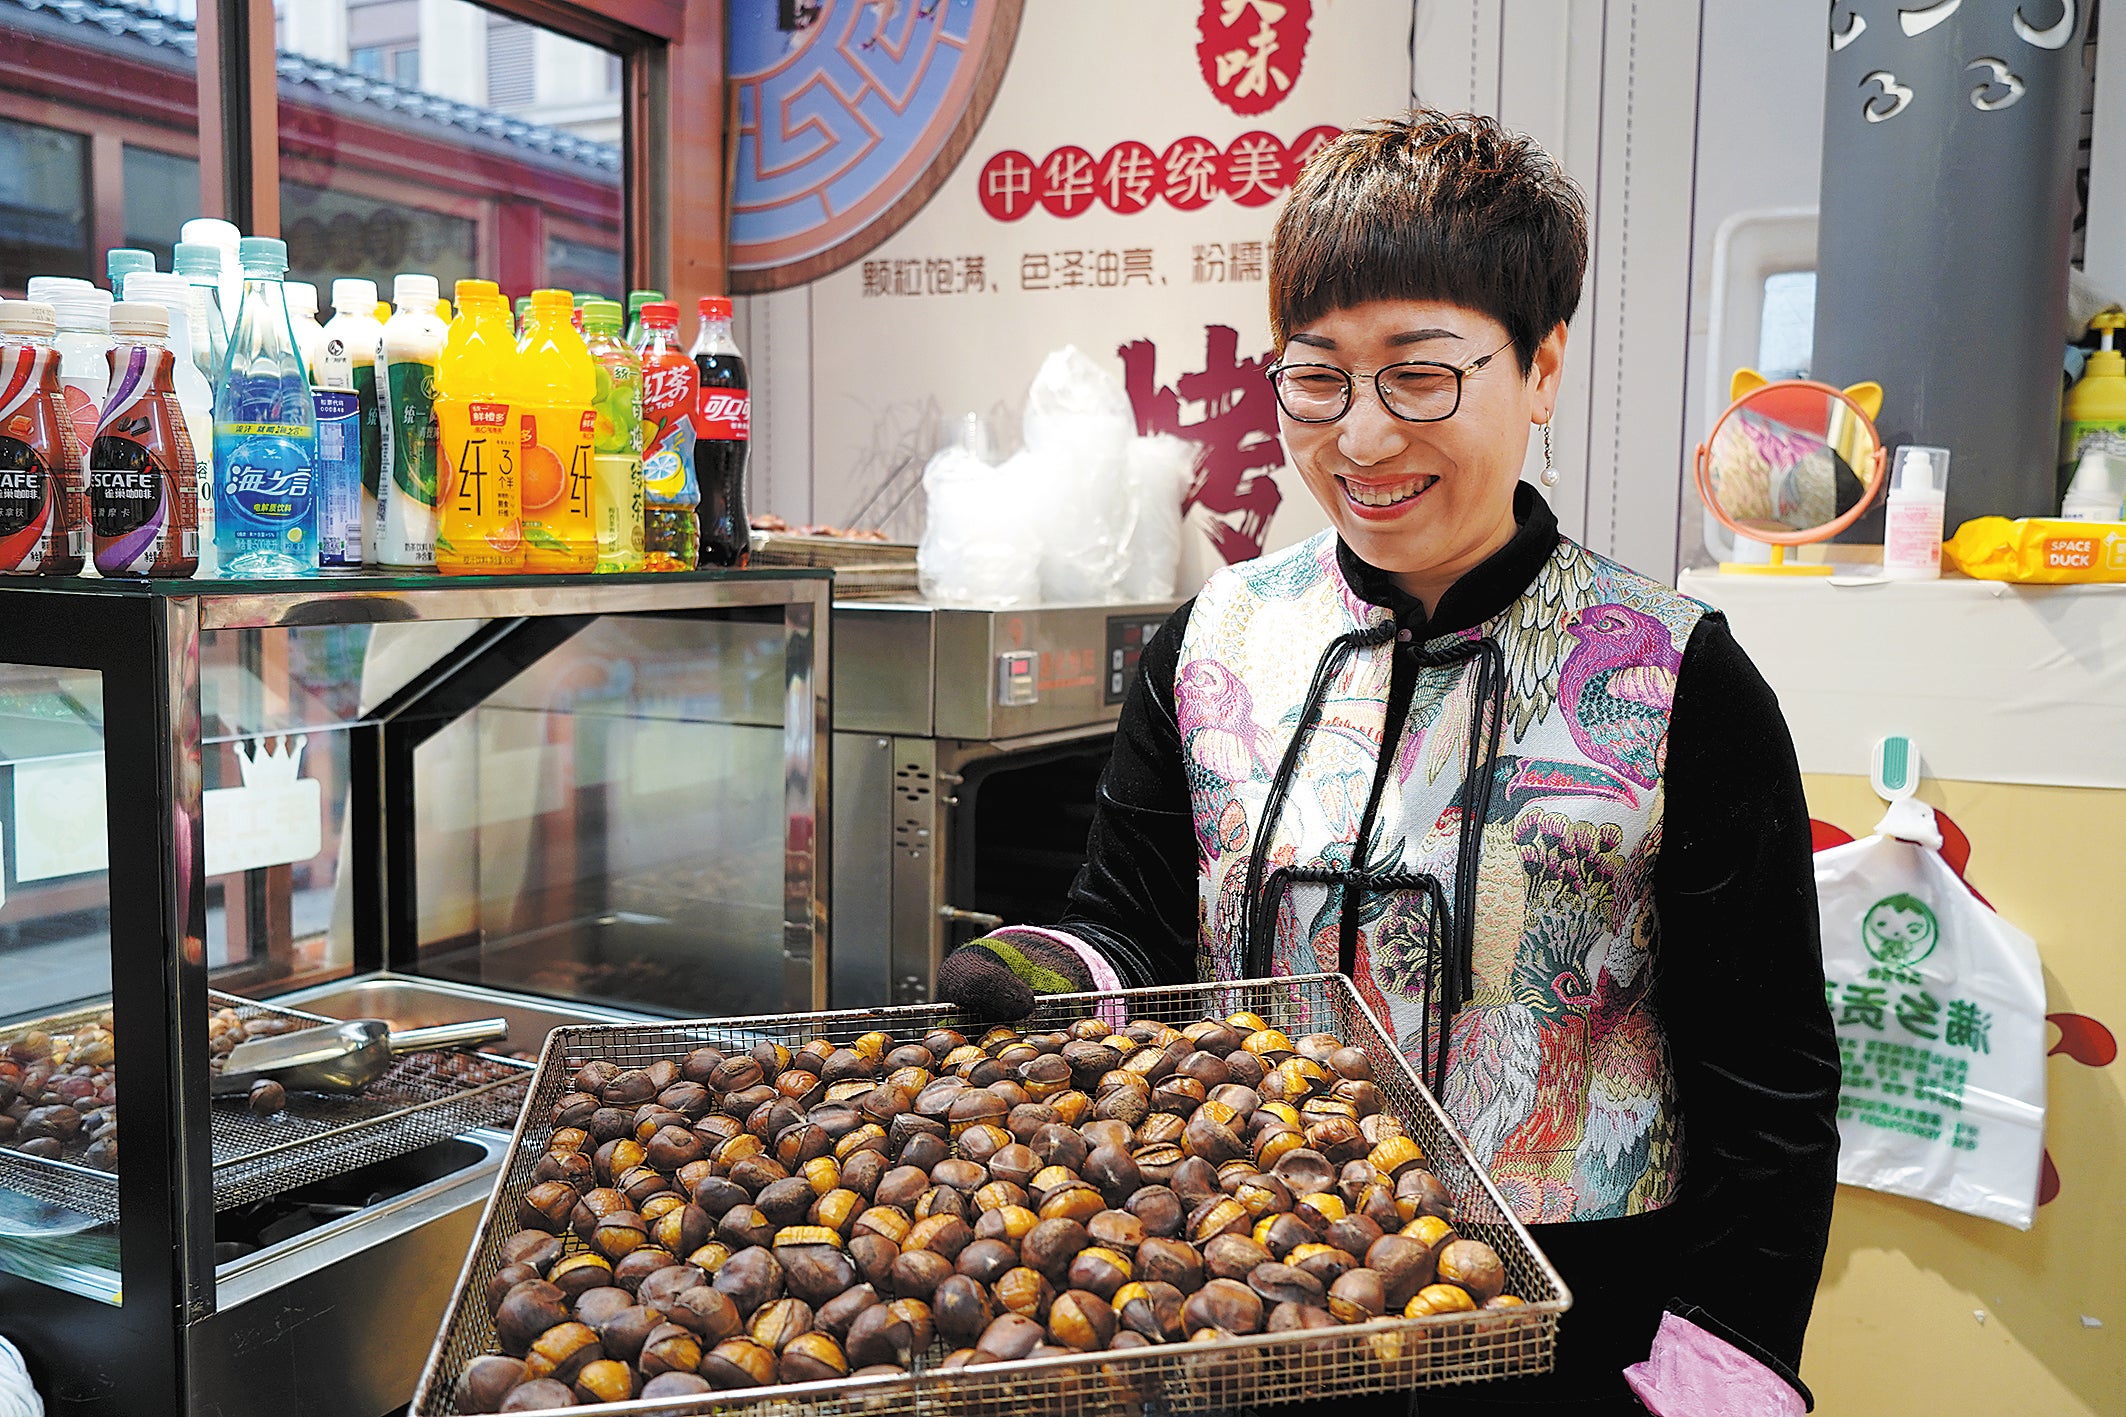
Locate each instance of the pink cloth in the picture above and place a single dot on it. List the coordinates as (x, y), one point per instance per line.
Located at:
(1104, 978)
(1694, 1373)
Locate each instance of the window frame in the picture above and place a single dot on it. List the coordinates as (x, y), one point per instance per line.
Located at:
(673, 165)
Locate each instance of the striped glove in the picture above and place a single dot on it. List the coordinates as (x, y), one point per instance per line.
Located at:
(997, 976)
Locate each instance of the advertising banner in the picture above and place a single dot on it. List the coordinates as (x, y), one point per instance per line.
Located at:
(1110, 185)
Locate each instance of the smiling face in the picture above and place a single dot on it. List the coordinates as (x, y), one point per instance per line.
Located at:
(1424, 502)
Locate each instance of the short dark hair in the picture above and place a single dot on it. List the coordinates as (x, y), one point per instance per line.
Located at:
(1432, 206)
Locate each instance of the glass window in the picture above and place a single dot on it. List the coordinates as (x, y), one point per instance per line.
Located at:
(161, 191)
(80, 87)
(435, 136)
(44, 208)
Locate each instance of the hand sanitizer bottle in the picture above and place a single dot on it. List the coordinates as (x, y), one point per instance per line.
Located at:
(1912, 527)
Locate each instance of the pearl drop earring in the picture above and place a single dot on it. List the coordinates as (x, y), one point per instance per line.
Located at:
(1550, 468)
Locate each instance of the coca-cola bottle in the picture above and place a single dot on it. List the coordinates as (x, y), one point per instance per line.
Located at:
(720, 429)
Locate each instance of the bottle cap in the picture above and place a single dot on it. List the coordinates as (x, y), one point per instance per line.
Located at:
(122, 261)
(558, 301)
(140, 320)
(523, 306)
(1919, 468)
(601, 315)
(28, 317)
(162, 287)
(636, 299)
(585, 297)
(212, 231)
(466, 290)
(196, 258)
(660, 313)
(715, 307)
(262, 255)
(89, 313)
(50, 288)
(354, 297)
(302, 298)
(413, 291)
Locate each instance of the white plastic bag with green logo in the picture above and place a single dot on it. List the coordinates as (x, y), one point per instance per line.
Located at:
(1940, 1010)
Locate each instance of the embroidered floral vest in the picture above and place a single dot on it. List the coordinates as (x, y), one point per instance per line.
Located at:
(1557, 1068)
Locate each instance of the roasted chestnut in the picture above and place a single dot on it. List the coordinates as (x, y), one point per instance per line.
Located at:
(1051, 1245)
(487, 1381)
(547, 1206)
(605, 1380)
(751, 1277)
(1081, 1321)
(1404, 1265)
(737, 1363)
(962, 1309)
(561, 1351)
(527, 1311)
(1223, 1304)
(812, 1357)
(538, 1395)
(1474, 1266)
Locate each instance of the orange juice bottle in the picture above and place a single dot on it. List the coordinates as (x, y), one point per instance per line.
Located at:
(478, 397)
(560, 383)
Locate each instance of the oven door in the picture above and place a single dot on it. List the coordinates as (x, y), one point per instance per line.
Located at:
(938, 840)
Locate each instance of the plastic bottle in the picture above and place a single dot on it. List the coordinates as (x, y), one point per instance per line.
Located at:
(84, 343)
(142, 478)
(340, 501)
(554, 474)
(1912, 525)
(722, 426)
(194, 395)
(46, 290)
(44, 523)
(302, 314)
(224, 237)
(523, 313)
(200, 265)
(347, 360)
(2098, 488)
(479, 529)
(406, 393)
(121, 261)
(616, 446)
(265, 432)
(636, 299)
(671, 387)
(2093, 414)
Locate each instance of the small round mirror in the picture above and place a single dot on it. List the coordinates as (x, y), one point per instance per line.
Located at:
(1791, 461)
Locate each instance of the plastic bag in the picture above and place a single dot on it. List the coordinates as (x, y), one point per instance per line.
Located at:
(1158, 468)
(2038, 550)
(1940, 1010)
(1074, 469)
(980, 545)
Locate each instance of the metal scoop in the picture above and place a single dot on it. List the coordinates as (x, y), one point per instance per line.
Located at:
(343, 1059)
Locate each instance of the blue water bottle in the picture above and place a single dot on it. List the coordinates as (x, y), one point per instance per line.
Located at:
(265, 432)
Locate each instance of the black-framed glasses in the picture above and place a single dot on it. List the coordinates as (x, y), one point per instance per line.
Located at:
(1416, 391)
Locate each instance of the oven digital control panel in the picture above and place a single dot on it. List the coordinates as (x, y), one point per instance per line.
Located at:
(1127, 635)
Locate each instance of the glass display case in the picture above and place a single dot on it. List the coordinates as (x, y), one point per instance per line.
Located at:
(546, 799)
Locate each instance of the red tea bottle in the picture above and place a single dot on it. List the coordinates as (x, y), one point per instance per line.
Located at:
(143, 476)
(43, 513)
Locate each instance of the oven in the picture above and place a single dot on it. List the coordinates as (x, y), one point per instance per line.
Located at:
(968, 746)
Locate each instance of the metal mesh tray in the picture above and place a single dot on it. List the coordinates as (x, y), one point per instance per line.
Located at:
(1386, 1355)
(422, 1099)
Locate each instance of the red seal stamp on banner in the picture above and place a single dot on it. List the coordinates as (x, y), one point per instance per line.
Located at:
(1250, 51)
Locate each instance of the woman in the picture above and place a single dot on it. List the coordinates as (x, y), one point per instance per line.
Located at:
(1541, 809)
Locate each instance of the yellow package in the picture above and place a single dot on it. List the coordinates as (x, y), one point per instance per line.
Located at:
(2038, 551)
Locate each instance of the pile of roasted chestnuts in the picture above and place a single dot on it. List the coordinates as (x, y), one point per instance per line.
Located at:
(734, 1219)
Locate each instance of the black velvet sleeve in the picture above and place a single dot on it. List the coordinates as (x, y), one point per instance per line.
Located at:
(1135, 897)
(1740, 992)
